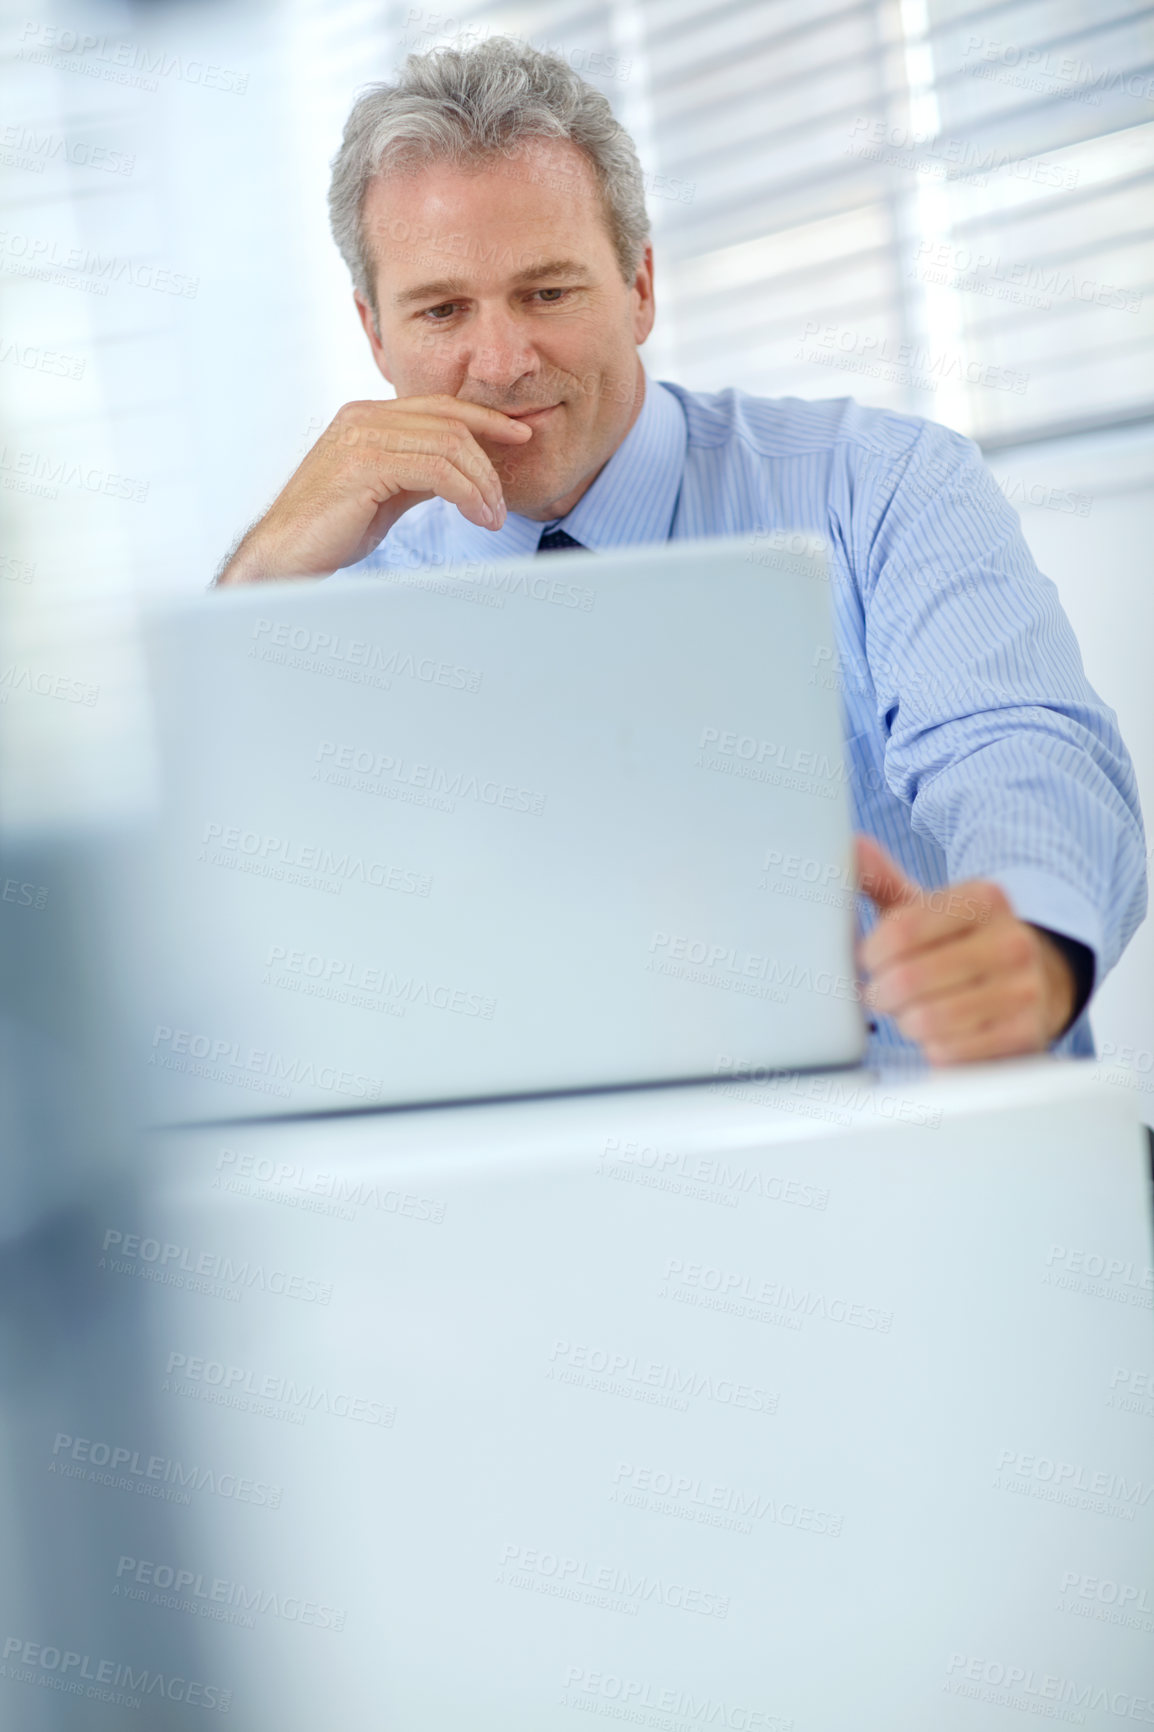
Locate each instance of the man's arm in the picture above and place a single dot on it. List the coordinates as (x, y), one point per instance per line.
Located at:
(996, 741)
(371, 465)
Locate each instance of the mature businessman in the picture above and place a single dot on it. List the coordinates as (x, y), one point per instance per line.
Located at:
(491, 212)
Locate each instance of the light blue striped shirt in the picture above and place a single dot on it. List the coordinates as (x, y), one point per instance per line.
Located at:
(977, 748)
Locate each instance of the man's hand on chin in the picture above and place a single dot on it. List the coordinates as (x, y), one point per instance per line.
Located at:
(956, 969)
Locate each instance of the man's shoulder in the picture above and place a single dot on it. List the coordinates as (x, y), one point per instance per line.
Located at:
(800, 427)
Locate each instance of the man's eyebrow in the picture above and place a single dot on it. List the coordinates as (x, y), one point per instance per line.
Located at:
(552, 268)
(449, 288)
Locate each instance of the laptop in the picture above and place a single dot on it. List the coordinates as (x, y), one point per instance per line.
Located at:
(495, 831)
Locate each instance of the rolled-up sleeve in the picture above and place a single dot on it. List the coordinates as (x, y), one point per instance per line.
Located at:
(995, 739)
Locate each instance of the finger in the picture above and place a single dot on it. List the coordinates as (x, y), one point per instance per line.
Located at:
(435, 436)
(957, 1016)
(944, 914)
(478, 418)
(973, 954)
(1013, 1038)
(416, 473)
(880, 876)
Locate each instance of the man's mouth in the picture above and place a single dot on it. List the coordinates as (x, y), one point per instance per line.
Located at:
(532, 415)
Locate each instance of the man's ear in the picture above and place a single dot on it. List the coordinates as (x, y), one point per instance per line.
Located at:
(644, 309)
(369, 323)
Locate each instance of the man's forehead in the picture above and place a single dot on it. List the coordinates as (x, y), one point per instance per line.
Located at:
(416, 219)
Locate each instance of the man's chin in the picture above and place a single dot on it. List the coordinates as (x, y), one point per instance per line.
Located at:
(534, 507)
(534, 499)
(535, 483)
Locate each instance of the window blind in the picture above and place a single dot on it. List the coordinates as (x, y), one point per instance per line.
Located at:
(937, 207)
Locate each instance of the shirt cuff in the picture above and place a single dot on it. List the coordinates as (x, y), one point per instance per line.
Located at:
(1066, 915)
(1044, 900)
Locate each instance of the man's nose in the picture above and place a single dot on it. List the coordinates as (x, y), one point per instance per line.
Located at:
(498, 350)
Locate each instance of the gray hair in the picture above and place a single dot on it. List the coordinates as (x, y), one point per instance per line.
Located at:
(463, 105)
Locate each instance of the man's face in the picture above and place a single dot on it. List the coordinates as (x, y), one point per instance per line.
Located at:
(499, 284)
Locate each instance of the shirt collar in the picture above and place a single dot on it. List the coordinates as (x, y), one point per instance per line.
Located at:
(631, 501)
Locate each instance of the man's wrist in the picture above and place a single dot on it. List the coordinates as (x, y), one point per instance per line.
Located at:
(1076, 962)
(240, 567)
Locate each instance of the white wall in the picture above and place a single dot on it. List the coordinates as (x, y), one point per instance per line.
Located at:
(1103, 566)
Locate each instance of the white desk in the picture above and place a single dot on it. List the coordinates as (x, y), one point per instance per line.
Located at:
(825, 1405)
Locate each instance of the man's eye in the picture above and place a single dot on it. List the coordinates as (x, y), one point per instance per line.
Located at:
(447, 308)
(557, 292)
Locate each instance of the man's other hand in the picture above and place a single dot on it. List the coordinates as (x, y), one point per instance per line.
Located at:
(956, 969)
(371, 464)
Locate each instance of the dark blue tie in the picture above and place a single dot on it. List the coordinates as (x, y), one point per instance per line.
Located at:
(556, 541)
